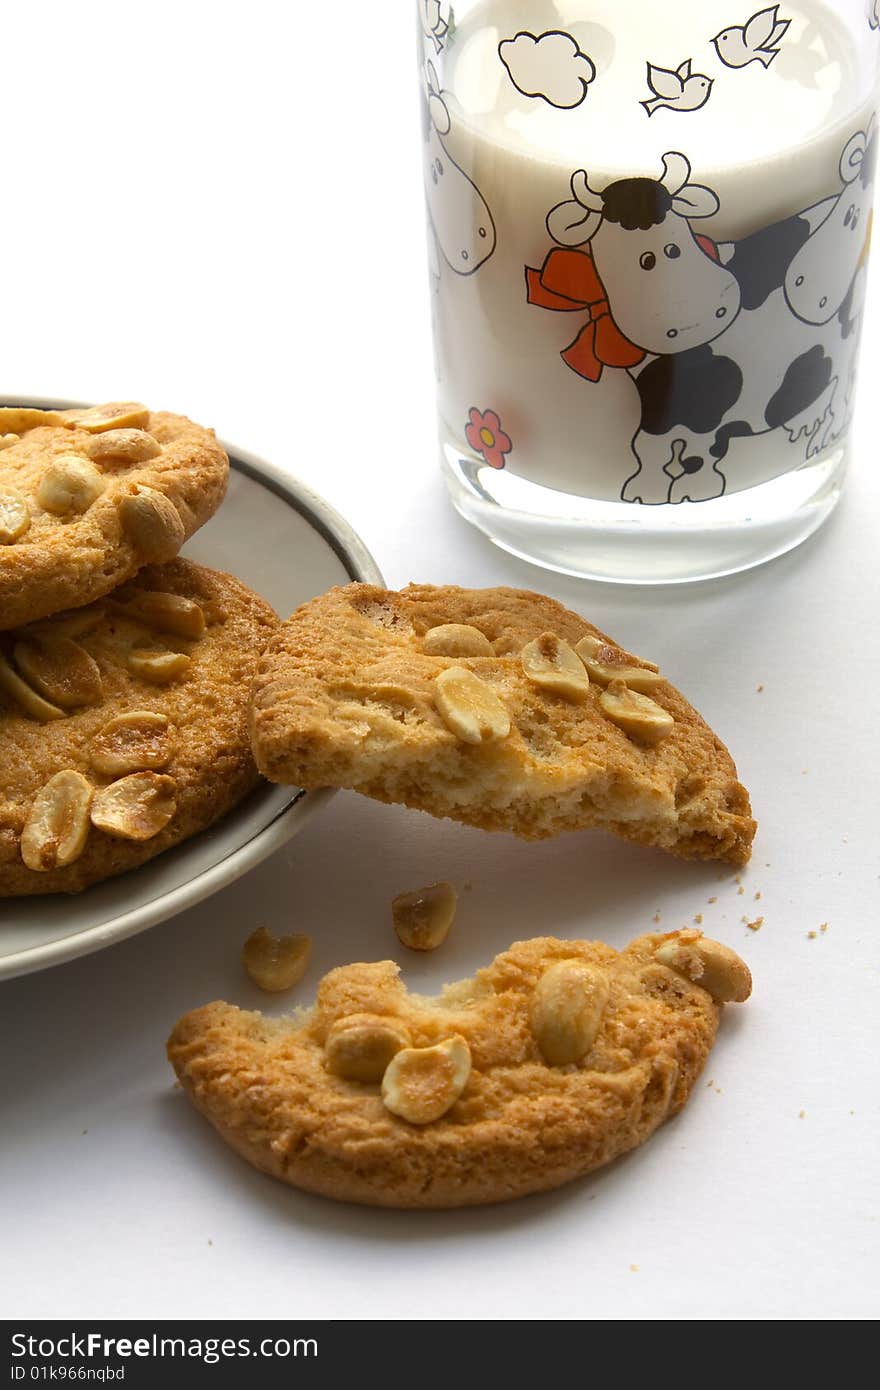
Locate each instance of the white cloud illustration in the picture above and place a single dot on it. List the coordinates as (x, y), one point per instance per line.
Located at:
(549, 66)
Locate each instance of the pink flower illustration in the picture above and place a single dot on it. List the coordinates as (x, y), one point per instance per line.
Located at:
(485, 436)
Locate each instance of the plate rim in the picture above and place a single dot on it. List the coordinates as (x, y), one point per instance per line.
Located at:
(360, 565)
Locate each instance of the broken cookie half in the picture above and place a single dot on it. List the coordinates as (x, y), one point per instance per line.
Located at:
(498, 708)
(554, 1060)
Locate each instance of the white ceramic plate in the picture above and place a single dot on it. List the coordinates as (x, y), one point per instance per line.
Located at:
(288, 545)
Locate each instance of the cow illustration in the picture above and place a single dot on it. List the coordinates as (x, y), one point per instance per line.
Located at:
(822, 273)
(461, 223)
(704, 329)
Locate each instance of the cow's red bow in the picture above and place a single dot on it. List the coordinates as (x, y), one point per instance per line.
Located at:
(569, 281)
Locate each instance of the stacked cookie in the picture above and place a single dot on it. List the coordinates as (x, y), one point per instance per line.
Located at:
(124, 672)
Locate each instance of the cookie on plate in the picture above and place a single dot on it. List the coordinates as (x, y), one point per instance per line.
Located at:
(553, 1061)
(89, 496)
(496, 707)
(124, 726)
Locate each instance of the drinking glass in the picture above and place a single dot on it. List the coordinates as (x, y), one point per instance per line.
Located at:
(648, 230)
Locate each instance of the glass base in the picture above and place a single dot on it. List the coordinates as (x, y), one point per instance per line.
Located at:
(626, 543)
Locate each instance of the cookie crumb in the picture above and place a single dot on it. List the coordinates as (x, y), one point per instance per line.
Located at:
(758, 896)
(656, 917)
(756, 925)
(634, 1269)
(760, 690)
(713, 900)
(802, 1115)
(823, 927)
(740, 890)
(699, 919)
(811, 935)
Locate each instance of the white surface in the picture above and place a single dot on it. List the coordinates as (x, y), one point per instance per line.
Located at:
(241, 236)
(36, 933)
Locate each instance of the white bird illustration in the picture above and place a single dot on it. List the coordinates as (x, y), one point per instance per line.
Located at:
(434, 25)
(681, 90)
(756, 41)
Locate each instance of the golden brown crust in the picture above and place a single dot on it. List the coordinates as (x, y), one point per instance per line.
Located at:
(212, 766)
(66, 561)
(520, 1125)
(344, 697)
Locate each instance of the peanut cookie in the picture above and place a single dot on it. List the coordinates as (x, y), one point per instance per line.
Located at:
(124, 726)
(553, 1061)
(89, 496)
(496, 707)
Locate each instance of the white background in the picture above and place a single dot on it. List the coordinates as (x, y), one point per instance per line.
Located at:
(217, 208)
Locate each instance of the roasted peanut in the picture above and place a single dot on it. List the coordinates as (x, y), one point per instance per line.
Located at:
(421, 1083)
(57, 824)
(469, 707)
(276, 963)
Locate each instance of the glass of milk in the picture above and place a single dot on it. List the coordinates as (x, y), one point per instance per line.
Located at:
(648, 230)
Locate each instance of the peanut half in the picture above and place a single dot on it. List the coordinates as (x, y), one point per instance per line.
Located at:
(359, 1047)
(637, 715)
(114, 447)
(605, 663)
(707, 963)
(15, 517)
(457, 639)
(469, 707)
(551, 663)
(18, 419)
(158, 668)
(57, 824)
(71, 624)
(69, 486)
(167, 612)
(116, 415)
(140, 741)
(136, 807)
(25, 697)
(61, 670)
(421, 1083)
(275, 963)
(152, 523)
(566, 1011)
(422, 919)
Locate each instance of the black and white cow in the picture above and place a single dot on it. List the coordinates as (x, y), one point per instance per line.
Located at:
(737, 340)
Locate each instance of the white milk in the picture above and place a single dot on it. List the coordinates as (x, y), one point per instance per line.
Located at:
(765, 136)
